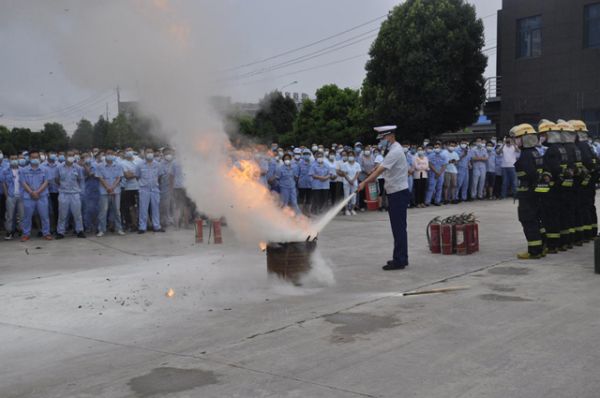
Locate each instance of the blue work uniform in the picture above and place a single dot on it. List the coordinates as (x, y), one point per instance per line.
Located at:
(287, 176)
(34, 178)
(435, 183)
(462, 167)
(148, 174)
(304, 178)
(14, 204)
(69, 180)
(110, 204)
(479, 170)
(274, 184)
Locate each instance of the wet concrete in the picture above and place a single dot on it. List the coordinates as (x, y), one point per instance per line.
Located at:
(501, 297)
(509, 271)
(161, 381)
(352, 325)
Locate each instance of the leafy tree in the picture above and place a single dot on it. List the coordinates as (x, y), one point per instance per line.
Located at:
(426, 68)
(336, 115)
(6, 145)
(276, 116)
(21, 138)
(53, 136)
(83, 137)
(100, 132)
(119, 132)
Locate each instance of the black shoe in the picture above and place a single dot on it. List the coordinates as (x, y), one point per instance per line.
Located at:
(9, 236)
(81, 235)
(40, 234)
(393, 266)
(59, 236)
(141, 231)
(437, 204)
(160, 230)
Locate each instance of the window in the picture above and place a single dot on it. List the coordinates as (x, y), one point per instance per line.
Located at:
(591, 117)
(529, 37)
(591, 33)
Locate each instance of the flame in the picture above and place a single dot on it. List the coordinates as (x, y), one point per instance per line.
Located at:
(262, 246)
(170, 293)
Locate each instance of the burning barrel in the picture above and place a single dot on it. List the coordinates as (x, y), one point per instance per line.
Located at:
(290, 260)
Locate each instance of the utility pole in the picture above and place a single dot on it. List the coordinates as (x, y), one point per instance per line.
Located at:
(107, 111)
(118, 101)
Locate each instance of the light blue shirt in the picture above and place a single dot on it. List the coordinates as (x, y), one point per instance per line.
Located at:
(70, 178)
(179, 182)
(479, 153)
(491, 162)
(304, 178)
(148, 175)
(52, 175)
(110, 174)
(451, 167)
(463, 163)
(437, 160)
(167, 172)
(129, 166)
(321, 170)
(287, 175)
(34, 178)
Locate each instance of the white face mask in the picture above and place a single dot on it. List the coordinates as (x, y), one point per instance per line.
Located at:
(70, 159)
(331, 158)
(367, 153)
(315, 148)
(451, 148)
(463, 146)
(169, 157)
(149, 156)
(351, 159)
(287, 162)
(320, 160)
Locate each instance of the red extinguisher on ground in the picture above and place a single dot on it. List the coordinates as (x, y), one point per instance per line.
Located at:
(461, 239)
(447, 235)
(433, 235)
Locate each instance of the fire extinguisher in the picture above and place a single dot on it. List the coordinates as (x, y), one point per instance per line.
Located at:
(447, 236)
(475, 236)
(433, 235)
(461, 239)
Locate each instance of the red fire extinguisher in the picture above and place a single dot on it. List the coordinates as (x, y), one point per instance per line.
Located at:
(461, 240)
(433, 235)
(447, 238)
(475, 236)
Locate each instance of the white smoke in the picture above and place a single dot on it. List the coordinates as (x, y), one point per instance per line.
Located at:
(172, 66)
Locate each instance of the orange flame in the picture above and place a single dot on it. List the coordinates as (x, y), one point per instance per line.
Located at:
(170, 293)
(262, 246)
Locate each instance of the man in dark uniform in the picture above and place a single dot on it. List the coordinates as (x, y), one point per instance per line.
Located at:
(588, 182)
(571, 185)
(553, 158)
(526, 168)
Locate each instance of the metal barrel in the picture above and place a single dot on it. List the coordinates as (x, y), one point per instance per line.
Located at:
(290, 260)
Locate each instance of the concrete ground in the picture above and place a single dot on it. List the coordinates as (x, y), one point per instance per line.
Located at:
(90, 318)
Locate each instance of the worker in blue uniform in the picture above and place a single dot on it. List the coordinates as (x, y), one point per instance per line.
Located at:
(287, 175)
(34, 191)
(148, 174)
(437, 168)
(69, 178)
(479, 160)
(464, 162)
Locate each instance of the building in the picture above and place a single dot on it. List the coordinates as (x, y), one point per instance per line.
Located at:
(549, 62)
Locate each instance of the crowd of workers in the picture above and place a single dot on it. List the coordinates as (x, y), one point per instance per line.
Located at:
(99, 190)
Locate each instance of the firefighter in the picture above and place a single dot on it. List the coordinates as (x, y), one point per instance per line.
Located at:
(588, 183)
(551, 210)
(574, 172)
(526, 168)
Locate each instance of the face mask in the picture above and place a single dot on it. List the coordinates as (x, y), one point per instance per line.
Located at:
(315, 148)
(320, 160)
(61, 158)
(451, 148)
(35, 162)
(77, 158)
(1, 156)
(129, 154)
(307, 156)
(429, 150)
(297, 157)
(88, 161)
(425, 142)
(14, 163)
(42, 158)
(345, 158)
(437, 150)
(280, 153)
(463, 146)
(479, 145)
(287, 162)
(405, 150)
(413, 151)
(331, 158)
(169, 157)
(52, 158)
(490, 148)
(111, 158)
(351, 159)
(70, 159)
(149, 156)
(357, 149)
(375, 154)
(367, 153)
(22, 162)
(326, 153)
(421, 153)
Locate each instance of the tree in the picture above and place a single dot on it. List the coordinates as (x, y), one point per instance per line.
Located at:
(6, 145)
(100, 132)
(53, 136)
(20, 138)
(426, 68)
(119, 132)
(83, 136)
(275, 117)
(336, 115)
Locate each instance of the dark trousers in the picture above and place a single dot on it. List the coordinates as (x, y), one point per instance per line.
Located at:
(2, 210)
(129, 206)
(420, 187)
(529, 217)
(304, 198)
(551, 219)
(319, 199)
(568, 216)
(336, 192)
(397, 204)
(53, 207)
(497, 186)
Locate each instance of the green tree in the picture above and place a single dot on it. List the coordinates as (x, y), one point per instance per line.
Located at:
(100, 132)
(426, 68)
(119, 132)
(275, 118)
(83, 137)
(53, 136)
(6, 145)
(336, 115)
(20, 138)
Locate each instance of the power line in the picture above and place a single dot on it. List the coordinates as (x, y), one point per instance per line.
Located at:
(307, 45)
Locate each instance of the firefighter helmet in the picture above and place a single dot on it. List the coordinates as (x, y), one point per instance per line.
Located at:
(565, 126)
(578, 125)
(546, 125)
(521, 130)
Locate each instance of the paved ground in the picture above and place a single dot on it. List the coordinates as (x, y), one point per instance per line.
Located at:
(89, 318)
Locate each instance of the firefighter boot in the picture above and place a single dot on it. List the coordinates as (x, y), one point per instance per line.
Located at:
(528, 256)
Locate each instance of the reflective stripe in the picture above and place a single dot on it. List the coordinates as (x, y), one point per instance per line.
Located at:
(587, 228)
(542, 230)
(521, 174)
(542, 190)
(553, 236)
(579, 229)
(594, 225)
(564, 232)
(571, 230)
(534, 243)
(523, 189)
(567, 184)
